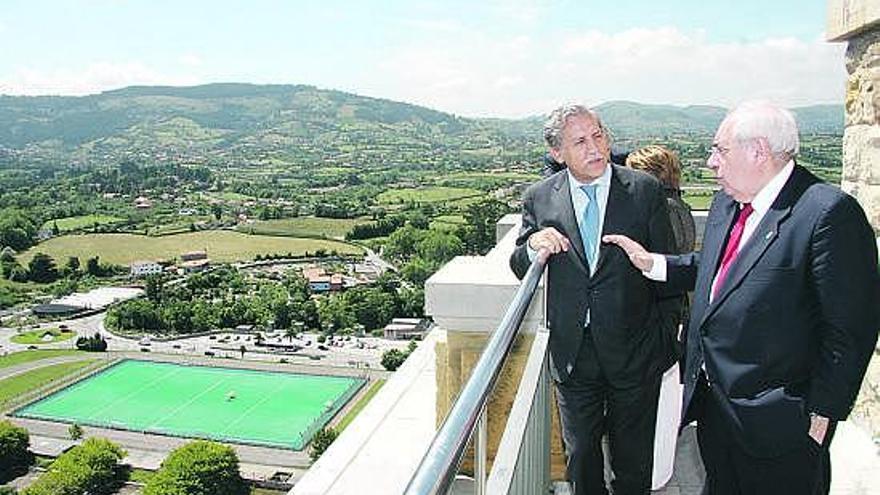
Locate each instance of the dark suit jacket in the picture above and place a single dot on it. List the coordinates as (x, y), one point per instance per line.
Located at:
(632, 329)
(795, 322)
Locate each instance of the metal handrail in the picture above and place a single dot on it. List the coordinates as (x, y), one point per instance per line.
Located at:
(440, 464)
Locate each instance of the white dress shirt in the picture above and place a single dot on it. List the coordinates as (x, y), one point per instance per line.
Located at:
(579, 201)
(760, 204)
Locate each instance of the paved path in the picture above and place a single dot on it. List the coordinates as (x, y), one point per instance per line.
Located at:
(24, 367)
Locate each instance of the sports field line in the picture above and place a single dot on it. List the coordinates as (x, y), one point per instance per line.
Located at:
(245, 413)
(95, 416)
(187, 403)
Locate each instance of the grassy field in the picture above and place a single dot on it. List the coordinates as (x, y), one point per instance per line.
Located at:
(36, 336)
(426, 194)
(362, 403)
(22, 357)
(80, 222)
(698, 201)
(447, 222)
(247, 406)
(31, 380)
(221, 245)
(333, 228)
(511, 176)
(229, 196)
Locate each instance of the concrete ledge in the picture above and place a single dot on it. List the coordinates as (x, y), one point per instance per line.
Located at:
(382, 447)
(472, 293)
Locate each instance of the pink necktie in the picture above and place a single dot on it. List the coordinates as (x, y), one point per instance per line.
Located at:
(732, 247)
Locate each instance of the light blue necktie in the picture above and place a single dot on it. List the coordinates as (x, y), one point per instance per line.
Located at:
(589, 226)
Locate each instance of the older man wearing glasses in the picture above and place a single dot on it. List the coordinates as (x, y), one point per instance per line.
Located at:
(785, 313)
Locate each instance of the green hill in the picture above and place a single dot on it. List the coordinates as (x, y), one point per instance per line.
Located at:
(254, 125)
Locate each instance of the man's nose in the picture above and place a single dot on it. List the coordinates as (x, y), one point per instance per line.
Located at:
(712, 161)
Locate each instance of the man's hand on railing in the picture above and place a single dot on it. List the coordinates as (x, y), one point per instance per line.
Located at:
(638, 256)
(549, 239)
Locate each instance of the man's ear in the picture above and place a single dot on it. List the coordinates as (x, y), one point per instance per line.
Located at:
(557, 155)
(762, 149)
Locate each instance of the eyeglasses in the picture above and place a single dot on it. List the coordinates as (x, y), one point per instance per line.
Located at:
(718, 149)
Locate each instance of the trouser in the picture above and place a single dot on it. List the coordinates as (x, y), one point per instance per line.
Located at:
(730, 470)
(589, 406)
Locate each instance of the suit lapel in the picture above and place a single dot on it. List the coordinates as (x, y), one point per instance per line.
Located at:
(618, 210)
(765, 234)
(713, 245)
(568, 220)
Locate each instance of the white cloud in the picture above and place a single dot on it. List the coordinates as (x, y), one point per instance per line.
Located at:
(97, 77)
(190, 59)
(436, 25)
(478, 75)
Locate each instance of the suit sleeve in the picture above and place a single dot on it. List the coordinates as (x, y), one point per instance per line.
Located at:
(519, 259)
(847, 284)
(661, 240)
(681, 271)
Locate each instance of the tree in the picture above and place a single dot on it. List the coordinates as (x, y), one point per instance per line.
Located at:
(75, 431)
(480, 219)
(402, 242)
(42, 269)
(372, 307)
(17, 230)
(14, 453)
(87, 468)
(412, 303)
(336, 313)
(93, 268)
(439, 247)
(153, 287)
(393, 358)
(217, 210)
(95, 343)
(72, 265)
(198, 468)
(417, 270)
(321, 441)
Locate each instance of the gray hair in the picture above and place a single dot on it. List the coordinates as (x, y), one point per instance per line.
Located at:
(557, 119)
(761, 119)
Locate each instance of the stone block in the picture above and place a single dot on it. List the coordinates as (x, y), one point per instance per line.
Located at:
(847, 18)
(862, 51)
(862, 97)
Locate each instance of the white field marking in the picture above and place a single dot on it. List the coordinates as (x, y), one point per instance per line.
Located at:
(259, 402)
(187, 403)
(152, 383)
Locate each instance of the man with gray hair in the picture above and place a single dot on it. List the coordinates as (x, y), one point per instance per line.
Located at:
(611, 334)
(785, 313)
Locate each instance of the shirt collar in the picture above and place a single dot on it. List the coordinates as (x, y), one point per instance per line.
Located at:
(767, 195)
(603, 180)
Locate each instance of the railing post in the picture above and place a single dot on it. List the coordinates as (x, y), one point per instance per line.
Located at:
(480, 454)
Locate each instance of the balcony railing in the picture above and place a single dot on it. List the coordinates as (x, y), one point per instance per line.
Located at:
(523, 463)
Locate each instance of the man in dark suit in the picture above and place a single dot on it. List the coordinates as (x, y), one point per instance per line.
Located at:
(611, 338)
(785, 311)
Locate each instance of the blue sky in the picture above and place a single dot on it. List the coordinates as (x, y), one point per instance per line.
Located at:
(492, 58)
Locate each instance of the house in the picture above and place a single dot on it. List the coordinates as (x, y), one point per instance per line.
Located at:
(145, 268)
(194, 256)
(142, 203)
(320, 281)
(407, 328)
(193, 266)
